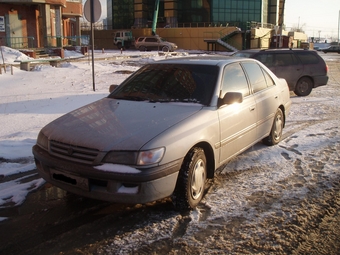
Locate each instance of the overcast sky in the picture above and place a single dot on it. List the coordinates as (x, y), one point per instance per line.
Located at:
(313, 16)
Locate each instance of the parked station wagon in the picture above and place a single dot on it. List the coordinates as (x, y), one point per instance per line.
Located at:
(164, 130)
(302, 69)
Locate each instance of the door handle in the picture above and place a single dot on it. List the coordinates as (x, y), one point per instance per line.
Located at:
(252, 108)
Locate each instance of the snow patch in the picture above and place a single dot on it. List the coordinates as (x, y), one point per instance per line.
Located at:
(118, 169)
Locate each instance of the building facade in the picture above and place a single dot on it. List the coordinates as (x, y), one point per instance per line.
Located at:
(126, 14)
(39, 23)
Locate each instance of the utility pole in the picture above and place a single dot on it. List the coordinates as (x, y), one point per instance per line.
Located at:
(338, 28)
(319, 35)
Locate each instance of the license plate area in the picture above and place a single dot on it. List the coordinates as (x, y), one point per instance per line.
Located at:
(80, 182)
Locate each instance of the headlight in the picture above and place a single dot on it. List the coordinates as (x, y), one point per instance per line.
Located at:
(141, 158)
(42, 141)
(150, 157)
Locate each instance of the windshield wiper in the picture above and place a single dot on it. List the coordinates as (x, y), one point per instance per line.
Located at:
(171, 100)
(131, 98)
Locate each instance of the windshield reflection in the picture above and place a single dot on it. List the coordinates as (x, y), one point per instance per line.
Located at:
(169, 83)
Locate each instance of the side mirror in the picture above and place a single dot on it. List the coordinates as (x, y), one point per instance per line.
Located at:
(230, 98)
(112, 87)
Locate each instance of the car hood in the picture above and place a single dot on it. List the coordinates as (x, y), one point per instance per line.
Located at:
(110, 124)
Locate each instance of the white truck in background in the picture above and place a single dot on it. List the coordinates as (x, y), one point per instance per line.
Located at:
(123, 39)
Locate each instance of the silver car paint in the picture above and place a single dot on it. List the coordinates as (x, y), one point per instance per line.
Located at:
(110, 124)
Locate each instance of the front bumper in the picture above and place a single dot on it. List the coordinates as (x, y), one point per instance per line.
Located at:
(148, 185)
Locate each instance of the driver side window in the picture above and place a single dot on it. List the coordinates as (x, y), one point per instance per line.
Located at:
(234, 80)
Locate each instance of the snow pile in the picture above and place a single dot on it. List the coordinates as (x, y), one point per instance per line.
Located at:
(9, 55)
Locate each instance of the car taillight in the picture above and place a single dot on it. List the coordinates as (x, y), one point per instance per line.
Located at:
(327, 69)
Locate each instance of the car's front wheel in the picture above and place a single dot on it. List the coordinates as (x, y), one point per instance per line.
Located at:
(165, 49)
(303, 87)
(276, 131)
(191, 180)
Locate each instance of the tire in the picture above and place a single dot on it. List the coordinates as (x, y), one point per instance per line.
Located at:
(191, 182)
(275, 135)
(165, 49)
(303, 87)
(119, 45)
(142, 48)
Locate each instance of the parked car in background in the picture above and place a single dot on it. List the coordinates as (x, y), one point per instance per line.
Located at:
(147, 43)
(302, 69)
(332, 48)
(164, 130)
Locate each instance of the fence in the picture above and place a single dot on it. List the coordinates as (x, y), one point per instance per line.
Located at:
(60, 41)
(17, 42)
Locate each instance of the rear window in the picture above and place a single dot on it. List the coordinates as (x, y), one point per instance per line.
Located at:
(307, 57)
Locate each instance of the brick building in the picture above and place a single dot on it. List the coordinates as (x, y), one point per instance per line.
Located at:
(39, 23)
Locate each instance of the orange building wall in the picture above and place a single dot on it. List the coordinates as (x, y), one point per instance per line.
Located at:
(74, 9)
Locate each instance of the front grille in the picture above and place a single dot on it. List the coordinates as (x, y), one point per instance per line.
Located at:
(73, 153)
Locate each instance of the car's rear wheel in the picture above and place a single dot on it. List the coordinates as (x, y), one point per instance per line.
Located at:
(304, 86)
(191, 180)
(276, 131)
(142, 48)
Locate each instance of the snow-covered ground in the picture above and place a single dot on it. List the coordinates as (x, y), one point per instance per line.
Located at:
(308, 155)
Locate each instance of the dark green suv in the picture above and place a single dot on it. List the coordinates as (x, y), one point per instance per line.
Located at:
(302, 69)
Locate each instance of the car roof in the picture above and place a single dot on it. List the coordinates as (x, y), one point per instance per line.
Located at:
(273, 50)
(204, 60)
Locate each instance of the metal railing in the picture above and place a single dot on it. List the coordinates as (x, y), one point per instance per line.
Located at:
(18, 42)
(60, 41)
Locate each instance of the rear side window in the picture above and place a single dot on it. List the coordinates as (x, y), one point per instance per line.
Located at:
(307, 57)
(285, 59)
(266, 59)
(255, 75)
(150, 40)
(268, 78)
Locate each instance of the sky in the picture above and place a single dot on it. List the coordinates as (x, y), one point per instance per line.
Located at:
(313, 16)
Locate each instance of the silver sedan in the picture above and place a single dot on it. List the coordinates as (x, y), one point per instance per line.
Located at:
(164, 130)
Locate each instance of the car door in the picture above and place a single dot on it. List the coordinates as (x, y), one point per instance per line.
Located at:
(238, 120)
(284, 65)
(266, 97)
(151, 43)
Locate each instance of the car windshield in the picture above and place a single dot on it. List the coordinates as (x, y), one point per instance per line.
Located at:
(169, 83)
(243, 54)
